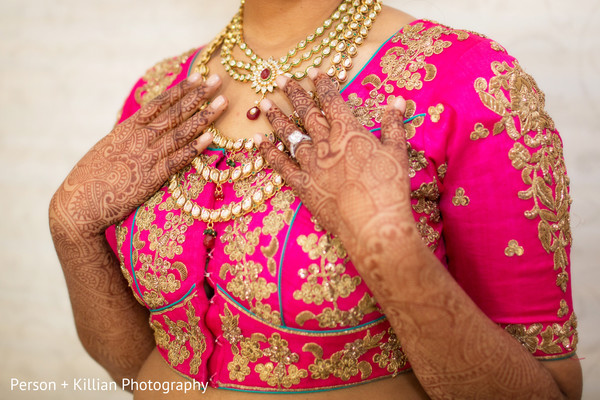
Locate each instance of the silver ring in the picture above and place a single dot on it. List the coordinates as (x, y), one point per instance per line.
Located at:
(295, 139)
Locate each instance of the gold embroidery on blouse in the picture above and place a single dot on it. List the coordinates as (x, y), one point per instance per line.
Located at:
(497, 47)
(159, 77)
(407, 68)
(564, 309)
(331, 318)
(429, 235)
(156, 273)
(391, 357)
(479, 132)
(279, 371)
(416, 161)
(514, 249)
(435, 113)
(460, 199)
(539, 158)
(246, 283)
(427, 196)
(442, 170)
(326, 281)
(343, 364)
(121, 234)
(274, 222)
(182, 332)
(552, 337)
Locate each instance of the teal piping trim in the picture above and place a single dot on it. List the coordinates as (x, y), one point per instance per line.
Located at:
(217, 149)
(287, 236)
(131, 255)
(177, 302)
(194, 60)
(406, 121)
(367, 63)
(357, 327)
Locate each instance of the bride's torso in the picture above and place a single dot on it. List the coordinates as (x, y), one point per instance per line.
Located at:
(234, 124)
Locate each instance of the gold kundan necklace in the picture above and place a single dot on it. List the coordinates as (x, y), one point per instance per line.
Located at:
(340, 35)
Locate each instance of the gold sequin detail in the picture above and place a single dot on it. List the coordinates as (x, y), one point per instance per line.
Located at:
(183, 332)
(515, 96)
(435, 113)
(514, 249)
(391, 357)
(552, 338)
(460, 199)
(416, 161)
(564, 309)
(497, 47)
(406, 68)
(280, 369)
(159, 77)
(345, 363)
(479, 132)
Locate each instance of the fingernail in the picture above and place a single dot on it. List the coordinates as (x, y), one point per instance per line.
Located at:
(218, 102)
(258, 138)
(194, 77)
(399, 103)
(213, 80)
(313, 73)
(281, 81)
(207, 137)
(265, 105)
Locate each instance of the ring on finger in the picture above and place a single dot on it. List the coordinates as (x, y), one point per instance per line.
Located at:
(294, 139)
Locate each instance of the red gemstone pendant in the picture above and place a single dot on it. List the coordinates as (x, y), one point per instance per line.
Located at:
(209, 238)
(265, 74)
(253, 113)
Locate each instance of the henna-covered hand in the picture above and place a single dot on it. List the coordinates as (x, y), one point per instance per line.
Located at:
(349, 179)
(131, 163)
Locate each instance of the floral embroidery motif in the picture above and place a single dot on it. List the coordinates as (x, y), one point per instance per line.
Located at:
(460, 199)
(391, 357)
(246, 284)
(539, 158)
(564, 309)
(326, 281)
(159, 77)
(183, 334)
(442, 170)
(479, 132)
(436, 112)
(416, 161)
(497, 47)
(429, 235)
(274, 222)
(345, 363)
(552, 337)
(156, 273)
(405, 66)
(514, 249)
(427, 196)
(279, 371)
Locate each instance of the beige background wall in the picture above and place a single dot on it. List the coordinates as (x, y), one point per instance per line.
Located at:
(66, 65)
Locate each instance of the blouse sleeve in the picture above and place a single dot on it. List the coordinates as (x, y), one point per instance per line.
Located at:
(505, 201)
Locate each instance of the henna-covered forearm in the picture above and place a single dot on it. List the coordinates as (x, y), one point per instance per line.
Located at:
(358, 189)
(117, 175)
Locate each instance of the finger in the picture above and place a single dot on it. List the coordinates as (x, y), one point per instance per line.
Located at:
(167, 98)
(289, 170)
(313, 120)
(332, 103)
(393, 135)
(175, 162)
(190, 129)
(284, 128)
(185, 107)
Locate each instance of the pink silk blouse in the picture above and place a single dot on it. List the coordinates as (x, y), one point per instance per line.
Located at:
(290, 312)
